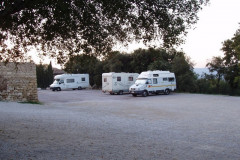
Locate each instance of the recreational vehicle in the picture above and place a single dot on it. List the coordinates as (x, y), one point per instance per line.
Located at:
(70, 81)
(153, 82)
(118, 83)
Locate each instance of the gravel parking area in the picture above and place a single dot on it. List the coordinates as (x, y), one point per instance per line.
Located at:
(88, 124)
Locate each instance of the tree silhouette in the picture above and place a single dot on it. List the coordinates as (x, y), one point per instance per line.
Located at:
(65, 27)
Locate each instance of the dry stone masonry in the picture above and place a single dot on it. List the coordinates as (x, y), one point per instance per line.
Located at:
(18, 82)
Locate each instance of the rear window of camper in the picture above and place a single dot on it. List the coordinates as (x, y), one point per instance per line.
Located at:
(70, 80)
(130, 78)
(171, 79)
(105, 79)
(165, 79)
(118, 78)
(155, 75)
(83, 78)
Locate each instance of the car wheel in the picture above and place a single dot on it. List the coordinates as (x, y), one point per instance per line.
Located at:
(144, 94)
(79, 88)
(58, 89)
(120, 92)
(167, 91)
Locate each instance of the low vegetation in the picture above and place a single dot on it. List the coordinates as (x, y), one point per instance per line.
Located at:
(32, 102)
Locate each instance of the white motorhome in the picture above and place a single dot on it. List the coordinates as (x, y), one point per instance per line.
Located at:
(70, 81)
(154, 82)
(118, 83)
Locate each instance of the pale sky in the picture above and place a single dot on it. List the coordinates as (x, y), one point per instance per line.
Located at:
(218, 21)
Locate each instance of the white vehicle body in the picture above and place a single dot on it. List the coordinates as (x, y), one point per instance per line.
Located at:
(117, 82)
(153, 82)
(70, 81)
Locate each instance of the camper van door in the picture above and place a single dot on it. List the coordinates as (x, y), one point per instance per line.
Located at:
(83, 82)
(155, 84)
(130, 80)
(107, 83)
(62, 84)
(165, 82)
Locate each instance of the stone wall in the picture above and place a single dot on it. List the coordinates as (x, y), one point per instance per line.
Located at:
(18, 82)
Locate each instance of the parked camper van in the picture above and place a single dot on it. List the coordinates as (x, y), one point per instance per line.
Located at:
(153, 82)
(118, 83)
(70, 81)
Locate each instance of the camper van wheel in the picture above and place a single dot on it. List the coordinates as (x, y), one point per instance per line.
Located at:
(167, 91)
(134, 95)
(58, 89)
(144, 94)
(120, 92)
(79, 88)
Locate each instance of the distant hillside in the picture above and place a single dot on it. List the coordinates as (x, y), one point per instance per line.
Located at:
(57, 71)
(201, 71)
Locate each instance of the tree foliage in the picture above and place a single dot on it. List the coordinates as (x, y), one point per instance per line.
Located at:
(44, 75)
(82, 64)
(231, 49)
(119, 63)
(217, 65)
(59, 27)
(183, 69)
(228, 67)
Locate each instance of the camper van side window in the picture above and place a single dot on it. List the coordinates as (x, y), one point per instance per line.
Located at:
(155, 75)
(171, 79)
(105, 79)
(155, 81)
(130, 78)
(149, 81)
(83, 78)
(165, 79)
(70, 80)
(61, 81)
(118, 78)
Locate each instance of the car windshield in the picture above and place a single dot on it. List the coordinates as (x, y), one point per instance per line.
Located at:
(141, 81)
(56, 81)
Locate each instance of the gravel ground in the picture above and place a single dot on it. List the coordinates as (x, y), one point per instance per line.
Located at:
(88, 124)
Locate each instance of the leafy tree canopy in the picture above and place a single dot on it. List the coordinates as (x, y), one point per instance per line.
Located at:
(82, 64)
(231, 49)
(183, 69)
(65, 27)
(44, 75)
(217, 65)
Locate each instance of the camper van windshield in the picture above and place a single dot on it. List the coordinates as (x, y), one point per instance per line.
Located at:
(56, 81)
(141, 81)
